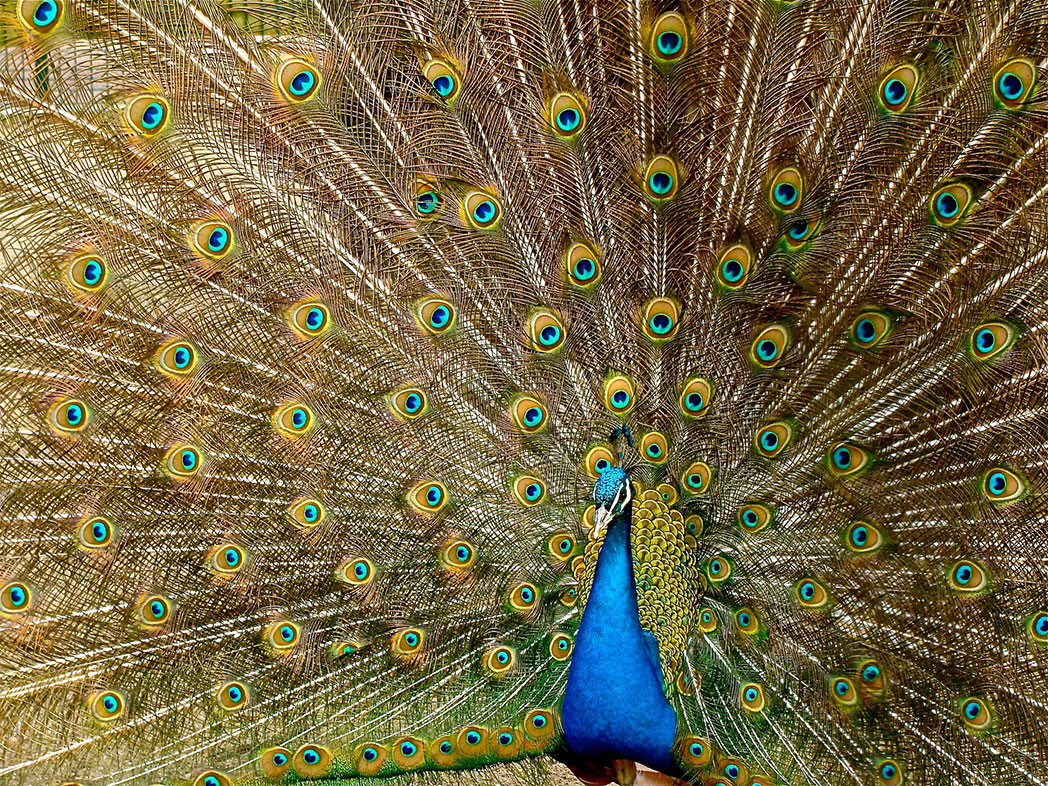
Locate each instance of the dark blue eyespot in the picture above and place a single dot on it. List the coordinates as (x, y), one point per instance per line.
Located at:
(798, 229)
(182, 357)
(842, 458)
(153, 116)
(972, 710)
(744, 619)
(287, 633)
(732, 770)
(92, 272)
(870, 673)
(732, 270)
(412, 403)
(750, 517)
(695, 480)
(218, 239)
(110, 703)
(370, 754)
(865, 331)
(156, 608)
(769, 440)
(188, 459)
(895, 92)
(302, 82)
(887, 771)
(462, 553)
(860, 536)
(445, 747)
(539, 721)
(235, 694)
(505, 739)
(985, 340)
(427, 202)
(279, 759)
(74, 414)
(99, 531)
(654, 451)
(211, 780)
(1040, 625)
(232, 557)
(408, 749)
(997, 483)
(533, 491)
(695, 749)
(693, 402)
(315, 318)
(444, 85)
(601, 465)
(472, 737)
(434, 495)
(1011, 86)
(661, 182)
(562, 644)
(502, 656)
(585, 269)
(17, 596)
(533, 416)
(360, 569)
(299, 418)
(620, 399)
(46, 12)
(947, 205)
(706, 616)
(841, 688)
(963, 574)
(549, 335)
(527, 595)
(669, 43)
(568, 119)
(484, 212)
(785, 194)
(767, 349)
(411, 639)
(311, 512)
(807, 590)
(661, 324)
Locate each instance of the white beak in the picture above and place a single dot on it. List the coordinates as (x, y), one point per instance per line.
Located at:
(601, 518)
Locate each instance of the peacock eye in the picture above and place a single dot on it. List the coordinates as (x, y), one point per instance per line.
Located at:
(752, 696)
(890, 773)
(154, 610)
(107, 705)
(482, 210)
(695, 397)
(844, 692)
(528, 414)
(800, 232)
(232, 696)
(41, 16)
(769, 346)
(147, 115)
(567, 116)
(661, 318)
(309, 318)
(311, 761)
(560, 646)
(427, 202)
(787, 189)
(619, 394)
(654, 447)
(582, 265)
(183, 461)
(661, 178)
(991, 339)
(718, 570)
(546, 331)
(811, 594)
(870, 328)
(95, 533)
(69, 416)
(733, 266)
(294, 419)
(436, 315)
(298, 80)
(754, 517)
(746, 621)
(212, 239)
(968, 576)
(306, 513)
(227, 559)
(1013, 83)
(975, 713)
(177, 358)
(523, 599)
(282, 636)
(15, 598)
(845, 459)
(949, 204)
(863, 537)
(275, 762)
(500, 661)
(458, 556)
(1037, 626)
(87, 273)
(897, 88)
(669, 37)
(773, 439)
(696, 477)
(443, 77)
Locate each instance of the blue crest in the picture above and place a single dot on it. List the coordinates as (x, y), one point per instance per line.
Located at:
(608, 485)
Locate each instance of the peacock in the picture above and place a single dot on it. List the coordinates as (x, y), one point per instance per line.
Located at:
(524, 392)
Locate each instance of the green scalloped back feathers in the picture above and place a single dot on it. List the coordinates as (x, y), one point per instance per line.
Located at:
(317, 316)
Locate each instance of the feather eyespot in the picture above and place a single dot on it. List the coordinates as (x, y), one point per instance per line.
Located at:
(733, 769)
(427, 201)
(773, 439)
(539, 729)
(845, 459)
(369, 758)
(356, 572)
(695, 751)
(949, 204)
(695, 397)
(408, 403)
(546, 331)
(752, 698)
(275, 762)
(341, 650)
(843, 691)
(598, 459)
(87, 273)
(294, 419)
(154, 610)
(733, 266)
(282, 636)
(94, 532)
(227, 559)
(183, 461)
(870, 328)
(311, 761)
(787, 189)
(506, 742)
(667, 491)
(991, 339)
(41, 16)
(968, 576)
(696, 478)
(560, 546)
(428, 497)
(69, 416)
(482, 210)
(106, 705)
(309, 318)
(769, 346)
(407, 644)
(443, 77)
(15, 598)
(147, 115)
(583, 265)
(567, 116)
(693, 525)
(871, 677)
(306, 513)
(472, 742)
(707, 620)
(799, 233)
(1013, 83)
(661, 178)
(1037, 627)
(661, 319)
(889, 773)
(862, 537)
(212, 778)
(529, 490)
(298, 80)
(524, 599)
(975, 713)
(619, 394)
(753, 517)
(897, 88)
(442, 751)
(528, 414)
(408, 753)
(718, 570)
(500, 660)
(669, 37)
(436, 315)
(458, 556)
(811, 594)
(212, 239)
(746, 621)
(560, 646)
(654, 447)
(232, 696)
(177, 358)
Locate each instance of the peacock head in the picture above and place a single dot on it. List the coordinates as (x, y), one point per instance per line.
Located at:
(613, 494)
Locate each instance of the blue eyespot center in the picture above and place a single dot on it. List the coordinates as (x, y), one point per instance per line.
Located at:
(539, 721)
(749, 517)
(45, 13)
(370, 754)
(427, 202)
(434, 495)
(444, 84)
(218, 239)
(152, 116)
(602, 465)
(997, 483)
(182, 357)
(841, 687)
(895, 92)
(946, 205)
(502, 656)
(972, 709)
(769, 440)
(985, 340)
(484, 212)
(17, 596)
(963, 574)
(156, 608)
(732, 270)
(315, 318)
(695, 480)
(1011, 86)
(302, 82)
(527, 595)
(732, 771)
(654, 450)
(109, 702)
(287, 633)
(870, 673)
(92, 272)
(440, 317)
(661, 324)
(549, 335)
(360, 570)
(767, 349)
(620, 398)
(694, 402)
(462, 553)
(505, 739)
(299, 418)
(472, 738)
(411, 639)
(533, 416)
(99, 531)
(669, 42)
(842, 458)
(310, 512)
(533, 491)
(695, 749)
(74, 414)
(232, 557)
(744, 619)
(279, 759)
(234, 693)
(865, 330)
(585, 269)
(445, 747)
(188, 459)
(860, 536)
(408, 749)
(661, 182)
(413, 403)
(785, 194)
(568, 119)
(807, 590)
(798, 229)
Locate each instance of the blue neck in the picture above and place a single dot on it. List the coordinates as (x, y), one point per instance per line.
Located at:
(614, 706)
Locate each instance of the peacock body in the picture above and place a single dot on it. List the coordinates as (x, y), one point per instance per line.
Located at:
(438, 391)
